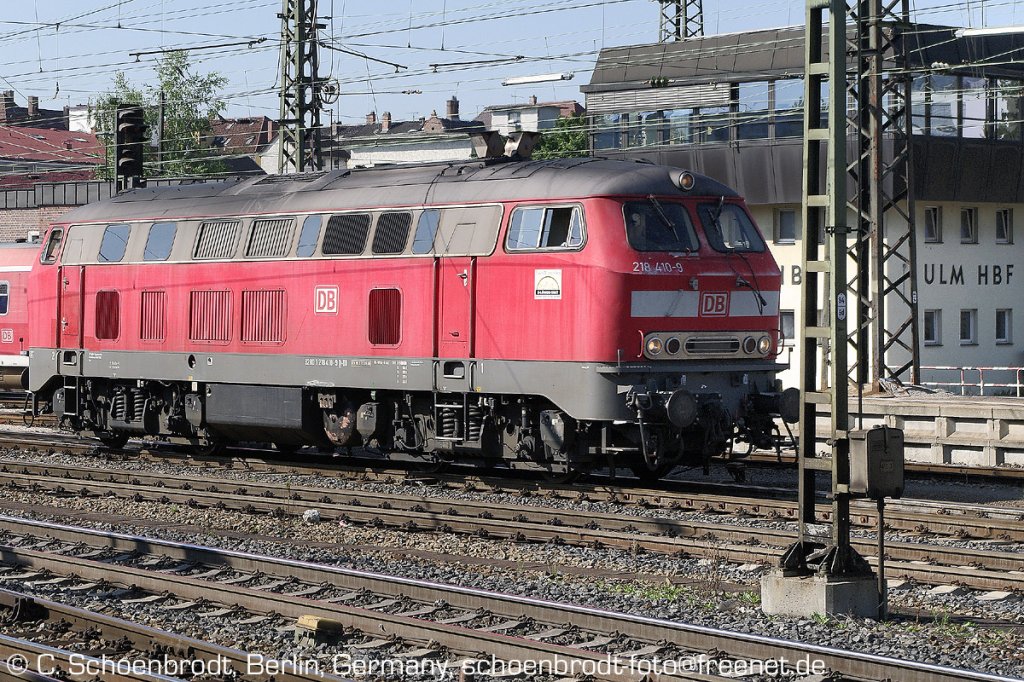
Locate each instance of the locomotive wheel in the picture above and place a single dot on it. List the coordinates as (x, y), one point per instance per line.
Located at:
(648, 476)
(113, 439)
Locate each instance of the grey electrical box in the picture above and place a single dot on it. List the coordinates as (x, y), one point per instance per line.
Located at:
(876, 462)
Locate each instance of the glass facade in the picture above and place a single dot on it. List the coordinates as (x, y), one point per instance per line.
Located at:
(942, 105)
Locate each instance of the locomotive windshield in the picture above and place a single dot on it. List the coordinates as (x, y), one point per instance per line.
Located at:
(729, 228)
(655, 226)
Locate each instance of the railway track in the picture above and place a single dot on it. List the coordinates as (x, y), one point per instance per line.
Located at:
(921, 517)
(76, 643)
(466, 621)
(988, 569)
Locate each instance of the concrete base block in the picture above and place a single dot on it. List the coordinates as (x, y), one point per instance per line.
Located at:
(805, 596)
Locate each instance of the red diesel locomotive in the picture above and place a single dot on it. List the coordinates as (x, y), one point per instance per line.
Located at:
(548, 315)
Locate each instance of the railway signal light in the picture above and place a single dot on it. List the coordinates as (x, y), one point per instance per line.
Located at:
(130, 133)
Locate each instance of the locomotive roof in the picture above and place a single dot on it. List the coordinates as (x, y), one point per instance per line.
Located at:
(446, 183)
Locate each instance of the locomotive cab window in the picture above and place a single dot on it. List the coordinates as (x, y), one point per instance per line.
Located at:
(115, 241)
(49, 254)
(653, 225)
(160, 241)
(729, 228)
(346, 234)
(547, 227)
(5, 296)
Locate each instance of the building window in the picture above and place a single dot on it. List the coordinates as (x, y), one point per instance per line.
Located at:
(968, 327)
(933, 327)
(933, 224)
(607, 131)
(785, 226)
(968, 226)
(1004, 326)
(787, 325)
(1004, 226)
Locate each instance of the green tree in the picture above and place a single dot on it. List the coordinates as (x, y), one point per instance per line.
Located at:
(568, 138)
(191, 101)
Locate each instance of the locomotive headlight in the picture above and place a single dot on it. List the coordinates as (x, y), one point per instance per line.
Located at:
(672, 346)
(654, 346)
(764, 345)
(749, 345)
(686, 181)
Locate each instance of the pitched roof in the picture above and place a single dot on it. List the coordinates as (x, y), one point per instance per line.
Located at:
(18, 143)
(241, 135)
(566, 107)
(27, 180)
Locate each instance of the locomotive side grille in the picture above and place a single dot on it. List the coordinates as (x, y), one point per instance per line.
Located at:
(346, 234)
(151, 324)
(269, 238)
(392, 233)
(712, 346)
(216, 239)
(263, 316)
(385, 321)
(108, 314)
(210, 316)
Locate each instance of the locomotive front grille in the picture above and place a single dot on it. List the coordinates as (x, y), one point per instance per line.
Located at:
(706, 346)
(712, 346)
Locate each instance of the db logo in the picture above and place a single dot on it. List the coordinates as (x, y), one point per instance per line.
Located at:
(326, 300)
(7, 335)
(714, 304)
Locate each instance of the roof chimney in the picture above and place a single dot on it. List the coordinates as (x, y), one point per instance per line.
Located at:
(533, 100)
(371, 118)
(385, 121)
(453, 108)
(33, 106)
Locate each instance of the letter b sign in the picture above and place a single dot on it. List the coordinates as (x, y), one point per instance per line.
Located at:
(326, 300)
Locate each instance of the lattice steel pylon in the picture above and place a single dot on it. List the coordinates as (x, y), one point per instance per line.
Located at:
(680, 20)
(885, 287)
(300, 148)
(880, 254)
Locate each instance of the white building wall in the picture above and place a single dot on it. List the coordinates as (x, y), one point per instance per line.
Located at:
(952, 277)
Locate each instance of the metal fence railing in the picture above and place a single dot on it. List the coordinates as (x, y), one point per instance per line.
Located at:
(976, 380)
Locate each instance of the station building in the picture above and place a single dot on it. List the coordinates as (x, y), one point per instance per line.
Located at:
(731, 106)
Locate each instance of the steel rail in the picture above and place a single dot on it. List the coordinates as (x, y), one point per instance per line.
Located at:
(144, 638)
(687, 636)
(910, 515)
(12, 647)
(991, 569)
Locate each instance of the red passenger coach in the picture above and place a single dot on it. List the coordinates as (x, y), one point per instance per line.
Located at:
(550, 315)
